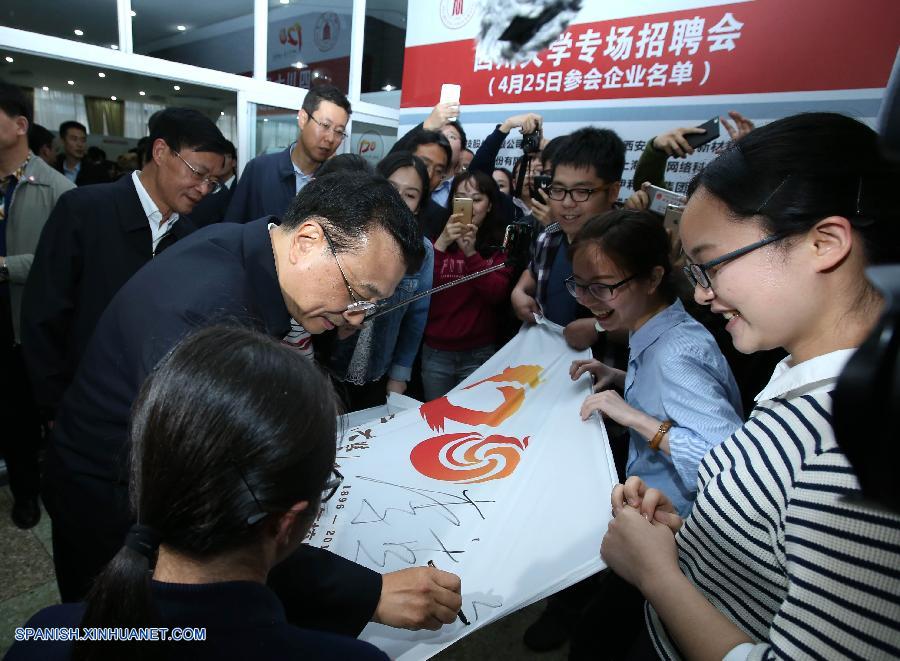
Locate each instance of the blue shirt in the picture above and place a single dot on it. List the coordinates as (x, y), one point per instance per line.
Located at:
(677, 372)
(557, 304)
(441, 194)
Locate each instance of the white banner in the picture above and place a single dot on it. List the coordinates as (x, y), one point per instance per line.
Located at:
(499, 482)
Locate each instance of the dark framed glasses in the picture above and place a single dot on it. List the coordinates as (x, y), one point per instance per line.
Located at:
(698, 274)
(598, 290)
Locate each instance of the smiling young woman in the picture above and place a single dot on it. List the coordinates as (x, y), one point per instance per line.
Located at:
(778, 558)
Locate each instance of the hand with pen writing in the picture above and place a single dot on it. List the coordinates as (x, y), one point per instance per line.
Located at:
(418, 598)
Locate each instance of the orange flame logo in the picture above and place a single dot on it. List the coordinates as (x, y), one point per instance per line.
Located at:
(467, 457)
(437, 412)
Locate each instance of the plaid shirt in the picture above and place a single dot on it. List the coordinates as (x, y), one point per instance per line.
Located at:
(548, 243)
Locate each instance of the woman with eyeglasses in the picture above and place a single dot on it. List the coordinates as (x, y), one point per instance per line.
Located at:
(780, 557)
(464, 322)
(227, 474)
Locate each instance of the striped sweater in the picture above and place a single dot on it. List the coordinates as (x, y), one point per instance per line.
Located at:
(777, 543)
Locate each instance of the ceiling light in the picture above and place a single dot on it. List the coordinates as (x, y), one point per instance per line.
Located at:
(265, 119)
(285, 2)
(45, 88)
(222, 113)
(102, 75)
(71, 82)
(142, 93)
(181, 28)
(133, 13)
(9, 59)
(298, 64)
(112, 98)
(388, 88)
(176, 87)
(114, 46)
(79, 33)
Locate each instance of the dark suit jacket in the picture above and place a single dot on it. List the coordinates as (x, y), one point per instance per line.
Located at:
(94, 240)
(224, 273)
(266, 188)
(88, 174)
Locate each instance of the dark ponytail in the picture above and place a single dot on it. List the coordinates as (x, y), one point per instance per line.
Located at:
(230, 427)
(795, 171)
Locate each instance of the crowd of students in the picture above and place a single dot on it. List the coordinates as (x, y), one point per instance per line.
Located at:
(737, 532)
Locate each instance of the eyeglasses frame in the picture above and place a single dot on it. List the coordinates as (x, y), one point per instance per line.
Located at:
(571, 285)
(204, 179)
(359, 304)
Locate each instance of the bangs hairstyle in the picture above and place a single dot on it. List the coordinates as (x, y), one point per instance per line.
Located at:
(795, 171)
(404, 159)
(489, 238)
(635, 241)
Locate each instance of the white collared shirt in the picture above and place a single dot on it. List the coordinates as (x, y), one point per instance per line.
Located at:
(813, 376)
(158, 226)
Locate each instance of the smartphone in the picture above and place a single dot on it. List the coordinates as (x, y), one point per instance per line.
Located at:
(450, 94)
(673, 217)
(539, 185)
(699, 139)
(662, 198)
(463, 205)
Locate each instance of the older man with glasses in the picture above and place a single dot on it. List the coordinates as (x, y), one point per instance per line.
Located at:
(344, 244)
(98, 236)
(271, 181)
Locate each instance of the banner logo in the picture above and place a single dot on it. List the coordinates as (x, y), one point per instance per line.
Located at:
(328, 29)
(292, 35)
(467, 457)
(456, 13)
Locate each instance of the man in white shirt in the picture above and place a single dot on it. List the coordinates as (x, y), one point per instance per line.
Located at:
(98, 236)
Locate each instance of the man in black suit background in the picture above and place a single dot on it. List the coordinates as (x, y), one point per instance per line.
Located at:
(71, 163)
(97, 237)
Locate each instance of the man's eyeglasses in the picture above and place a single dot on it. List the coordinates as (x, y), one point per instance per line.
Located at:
(332, 485)
(598, 290)
(359, 305)
(559, 193)
(328, 127)
(698, 274)
(213, 185)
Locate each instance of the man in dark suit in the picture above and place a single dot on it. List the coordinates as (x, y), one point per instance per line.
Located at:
(99, 236)
(346, 242)
(72, 163)
(211, 209)
(269, 182)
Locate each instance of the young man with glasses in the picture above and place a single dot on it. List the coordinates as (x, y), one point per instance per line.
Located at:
(98, 236)
(587, 170)
(271, 181)
(344, 244)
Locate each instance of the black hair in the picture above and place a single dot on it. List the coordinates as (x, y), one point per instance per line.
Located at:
(232, 150)
(635, 241)
(795, 171)
(39, 137)
(404, 159)
(490, 235)
(426, 137)
(94, 153)
(182, 128)
(319, 93)
(548, 153)
(71, 124)
(231, 424)
(462, 133)
(600, 149)
(508, 174)
(14, 102)
(344, 163)
(354, 203)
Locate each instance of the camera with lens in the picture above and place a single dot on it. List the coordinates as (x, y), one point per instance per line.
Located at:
(531, 142)
(517, 242)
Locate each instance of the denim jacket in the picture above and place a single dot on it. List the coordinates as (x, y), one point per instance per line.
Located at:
(396, 335)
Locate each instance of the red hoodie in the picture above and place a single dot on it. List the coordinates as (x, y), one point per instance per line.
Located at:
(466, 316)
